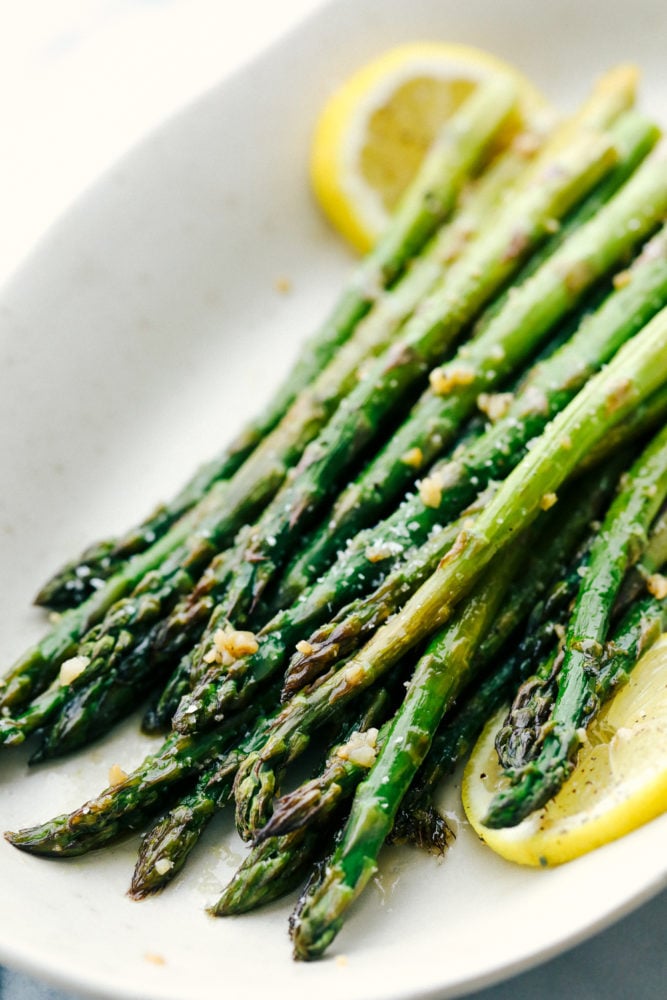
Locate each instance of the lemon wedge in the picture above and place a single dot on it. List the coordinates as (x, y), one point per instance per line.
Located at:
(373, 132)
(619, 783)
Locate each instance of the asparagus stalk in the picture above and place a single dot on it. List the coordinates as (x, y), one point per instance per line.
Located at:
(321, 909)
(359, 567)
(563, 531)
(517, 322)
(619, 544)
(479, 273)
(271, 869)
(194, 610)
(418, 821)
(457, 151)
(276, 867)
(133, 802)
(123, 807)
(495, 255)
(645, 573)
(634, 373)
(383, 321)
(518, 737)
(460, 147)
(547, 388)
(439, 676)
(222, 689)
(557, 380)
(167, 846)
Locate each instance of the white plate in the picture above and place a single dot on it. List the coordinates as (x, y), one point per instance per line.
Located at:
(135, 339)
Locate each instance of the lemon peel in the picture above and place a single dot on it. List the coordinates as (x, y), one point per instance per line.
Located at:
(373, 132)
(619, 783)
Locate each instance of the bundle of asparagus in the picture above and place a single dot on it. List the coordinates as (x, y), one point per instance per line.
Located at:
(394, 546)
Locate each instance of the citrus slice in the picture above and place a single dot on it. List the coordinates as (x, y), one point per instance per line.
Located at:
(373, 132)
(619, 783)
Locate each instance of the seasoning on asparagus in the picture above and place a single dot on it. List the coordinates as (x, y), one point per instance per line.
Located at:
(619, 544)
(634, 373)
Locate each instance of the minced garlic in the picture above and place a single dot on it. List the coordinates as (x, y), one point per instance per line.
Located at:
(414, 458)
(430, 491)
(72, 668)
(116, 775)
(443, 380)
(360, 749)
(657, 586)
(622, 279)
(229, 645)
(354, 674)
(548, 500)
(494, 405)
(304, 648)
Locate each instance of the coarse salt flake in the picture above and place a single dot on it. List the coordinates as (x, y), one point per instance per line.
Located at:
(383, 550)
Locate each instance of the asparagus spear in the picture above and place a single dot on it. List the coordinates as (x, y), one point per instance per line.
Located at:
(353, 861)
(563, 531)
(547, 388)
(459, 148)
(634, 373)
(418, 821)
(167, 846)
(497, 255)
(439, 676)
(471, 281)
(494, 352)
(271, 869)
(618, 545)
(123, 807)
(322, 909)
(217, 693)
(134, 801)
(199, 606)
(646, 572)
(383, 321)
(359, 567)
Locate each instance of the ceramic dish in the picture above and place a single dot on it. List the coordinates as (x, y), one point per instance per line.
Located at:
(145, 328)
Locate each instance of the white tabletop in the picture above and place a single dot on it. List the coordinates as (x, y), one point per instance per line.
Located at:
(81, 81)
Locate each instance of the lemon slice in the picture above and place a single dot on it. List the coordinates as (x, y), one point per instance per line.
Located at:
(372, 134)
(619, 783)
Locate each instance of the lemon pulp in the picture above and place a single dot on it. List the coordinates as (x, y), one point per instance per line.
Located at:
(373, 133)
